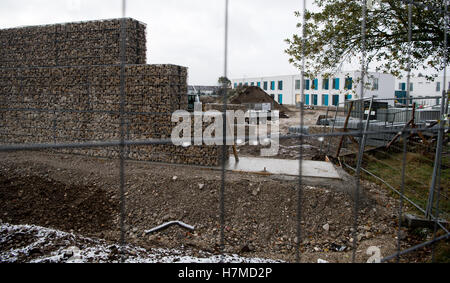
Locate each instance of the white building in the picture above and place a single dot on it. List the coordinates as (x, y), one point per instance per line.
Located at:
(322, 91)
(421, 87)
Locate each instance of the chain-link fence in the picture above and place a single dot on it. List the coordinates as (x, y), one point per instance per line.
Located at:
(85, 89)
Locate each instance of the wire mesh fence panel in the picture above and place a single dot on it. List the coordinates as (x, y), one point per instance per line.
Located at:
(87, 136)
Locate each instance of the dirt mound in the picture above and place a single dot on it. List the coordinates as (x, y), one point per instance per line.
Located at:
(254, 94)
(43, 201)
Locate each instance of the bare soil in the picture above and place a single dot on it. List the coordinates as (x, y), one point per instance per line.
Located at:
(254, 94)
(81, 194)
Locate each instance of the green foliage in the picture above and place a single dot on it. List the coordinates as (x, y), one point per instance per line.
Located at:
(224, 81)
(333, 36)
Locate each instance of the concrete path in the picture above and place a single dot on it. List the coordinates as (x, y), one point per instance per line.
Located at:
(270, 166)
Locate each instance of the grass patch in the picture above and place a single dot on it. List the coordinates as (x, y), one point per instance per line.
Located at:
(387, 165)
(418, 175)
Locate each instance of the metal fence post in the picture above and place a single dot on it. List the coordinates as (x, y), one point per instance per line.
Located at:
(224, 146)
(123, 34)
(324, 127)
(300, 159)
(439, 145)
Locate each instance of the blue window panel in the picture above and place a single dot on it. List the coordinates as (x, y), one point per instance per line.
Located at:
(272, 85)
(326, 84)
(316, 84)
(246, 84)
(265, 85)
(258, 84)
(348, 96)
(315, 100)
(235, 85)
(306, 99)
(252, 84)
(348, 83)
(403, 86)
(336, 83)
(307, 84)
(336, 100)
(280, 98)
(401, 94)
(325, 100)
(280, 85)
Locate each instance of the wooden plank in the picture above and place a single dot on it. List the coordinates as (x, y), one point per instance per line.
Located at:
(341, 142)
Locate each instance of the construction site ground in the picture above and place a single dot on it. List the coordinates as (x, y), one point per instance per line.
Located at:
(289, 148)
(80, 195)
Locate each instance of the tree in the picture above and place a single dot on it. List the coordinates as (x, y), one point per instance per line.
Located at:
(333, 36)
(225, 81)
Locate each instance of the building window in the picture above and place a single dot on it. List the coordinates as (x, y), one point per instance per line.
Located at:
(402, 86)
(348, 83)
(326, 84)
(438, 86)
(375, 84)
(258, 84)
(336, 100)
(336, 83)
(306, 99)
(272, 85)
(240, 84)
(280, 85)
(315, 85)
(235, 85)
(252, 84)
(411, 87)
(297, 84)
(265, 85)
(297, 98)
(307, 84)
(325, 99)
(280, 98)
(246, 84)
(273, 96)
(315, 99)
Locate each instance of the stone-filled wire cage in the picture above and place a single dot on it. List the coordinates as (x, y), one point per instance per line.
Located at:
(62, 84)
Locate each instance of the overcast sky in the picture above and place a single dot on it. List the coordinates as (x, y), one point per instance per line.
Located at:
(185, 32)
